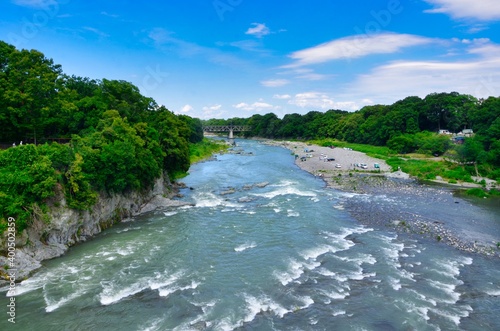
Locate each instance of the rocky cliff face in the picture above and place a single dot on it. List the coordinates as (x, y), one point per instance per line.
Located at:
(67, 227)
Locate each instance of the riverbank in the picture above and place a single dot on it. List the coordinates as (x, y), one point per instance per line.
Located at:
(342, 174)
(67, 227)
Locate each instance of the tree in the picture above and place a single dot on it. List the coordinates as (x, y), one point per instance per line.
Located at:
(29, 91)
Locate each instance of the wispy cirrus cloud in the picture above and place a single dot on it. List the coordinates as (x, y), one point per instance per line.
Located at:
(282, 96)
(274, 82)
(165, 40)
(96, 31)
(355, 47)
(257, 106)
(484, 10)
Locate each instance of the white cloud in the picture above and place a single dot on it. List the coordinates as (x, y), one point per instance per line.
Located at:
(212, 108)
(318, 100)
(256, 106)
(104, 13)
(355, 47)
(96, 31)
(282, 96)
(483, 10)
(259, 30)
(479, 76)
(274, 82)
(186, 109)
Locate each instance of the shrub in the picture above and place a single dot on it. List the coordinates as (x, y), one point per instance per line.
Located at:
(477, 192)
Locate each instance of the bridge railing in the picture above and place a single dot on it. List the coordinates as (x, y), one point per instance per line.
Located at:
(226, 128)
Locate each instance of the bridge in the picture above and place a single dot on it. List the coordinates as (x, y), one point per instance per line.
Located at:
(227, 128)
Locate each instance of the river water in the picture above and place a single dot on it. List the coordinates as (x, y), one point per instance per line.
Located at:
(282, 256)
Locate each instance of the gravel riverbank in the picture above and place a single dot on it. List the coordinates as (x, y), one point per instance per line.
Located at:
(426, 211)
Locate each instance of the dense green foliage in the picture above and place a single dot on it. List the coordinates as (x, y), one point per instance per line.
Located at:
(410, 125)
(80, 137)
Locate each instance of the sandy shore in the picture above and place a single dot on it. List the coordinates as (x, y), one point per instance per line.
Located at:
(342, 172)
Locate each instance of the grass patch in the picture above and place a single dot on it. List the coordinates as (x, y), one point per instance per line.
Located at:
(204, 149)
(380, 152)
(477, 192)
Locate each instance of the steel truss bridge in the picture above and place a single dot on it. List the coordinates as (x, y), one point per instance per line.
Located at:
(227, 128)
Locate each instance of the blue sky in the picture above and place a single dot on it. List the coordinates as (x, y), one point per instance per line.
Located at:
(236, 58)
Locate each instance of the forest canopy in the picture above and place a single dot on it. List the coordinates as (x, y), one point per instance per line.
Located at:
(79, 137)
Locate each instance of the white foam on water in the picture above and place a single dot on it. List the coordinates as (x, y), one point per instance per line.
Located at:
(338, 312)
(307, 300)
(447, 289)
(360, 259)
(422, 312)
(160, 280)
(28, 285)
(494, 293)
(111, 294)
(210, 200)
(208, 306)
(52, 304)
(395, 283)
(325, 272)
(166, 291)
(339, 243)
(125, 251)
(286, 188)
(170, 213)
(225, 324)
(291, 213)
(423, 297)
(249, 212)
(313, 321)
(454, 318)
(153, 325)
(339, 207)
(359, 275)
(294, 271)
(335, 295)
(129, 229)
(407, 274)
(262, 304)
(245, 246)
(286, 191)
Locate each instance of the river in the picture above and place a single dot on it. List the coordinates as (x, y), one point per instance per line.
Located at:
(282, 256)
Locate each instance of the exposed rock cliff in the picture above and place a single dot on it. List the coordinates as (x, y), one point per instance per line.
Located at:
(46, 240)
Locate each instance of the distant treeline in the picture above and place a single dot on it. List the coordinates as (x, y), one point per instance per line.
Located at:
(407, 126)
(113, 138)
